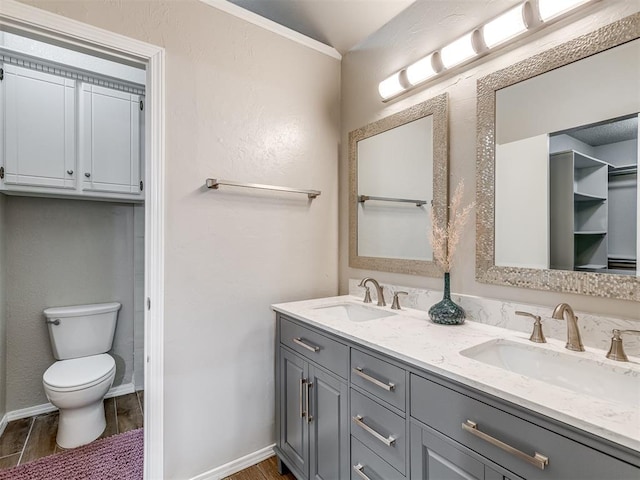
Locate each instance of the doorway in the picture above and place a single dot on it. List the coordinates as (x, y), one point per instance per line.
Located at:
(30, 22)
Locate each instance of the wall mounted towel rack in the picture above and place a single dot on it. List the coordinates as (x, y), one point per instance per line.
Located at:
(216, 182)
(364, 198)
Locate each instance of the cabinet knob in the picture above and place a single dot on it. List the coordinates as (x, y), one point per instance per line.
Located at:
(70, 172)
(87, 174)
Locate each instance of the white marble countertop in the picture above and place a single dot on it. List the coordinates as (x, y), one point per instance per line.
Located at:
(410, 336)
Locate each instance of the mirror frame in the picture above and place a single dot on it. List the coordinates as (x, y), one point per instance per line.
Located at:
(438, 107)
(624, 287)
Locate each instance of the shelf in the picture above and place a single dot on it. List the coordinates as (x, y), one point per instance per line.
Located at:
(591, 232)
(585, 197)
(591, 266)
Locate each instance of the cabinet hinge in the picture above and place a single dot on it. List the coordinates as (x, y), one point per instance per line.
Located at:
(1, 172)
(141, 105)
(141, 185)
(1, 73)
(148, 303)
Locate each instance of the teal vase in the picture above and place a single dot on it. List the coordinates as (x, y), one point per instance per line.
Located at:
(446, 311)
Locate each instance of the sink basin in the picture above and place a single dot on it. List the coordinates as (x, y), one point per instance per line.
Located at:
(354, 312)
(584, 376)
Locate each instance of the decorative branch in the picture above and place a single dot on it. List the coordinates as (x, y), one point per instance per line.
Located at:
(444, 240)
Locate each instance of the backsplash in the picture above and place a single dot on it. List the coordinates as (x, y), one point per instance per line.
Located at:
(594, 329)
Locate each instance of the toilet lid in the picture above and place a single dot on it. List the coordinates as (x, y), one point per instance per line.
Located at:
(78, 372)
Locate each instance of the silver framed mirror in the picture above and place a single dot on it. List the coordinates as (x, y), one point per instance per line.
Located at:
(398, 169)
(536, 261)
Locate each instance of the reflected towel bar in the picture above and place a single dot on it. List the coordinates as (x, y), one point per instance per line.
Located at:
(214, 183)
(364, 198)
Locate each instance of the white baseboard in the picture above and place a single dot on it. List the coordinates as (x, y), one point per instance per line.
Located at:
(120, 390)
(48, 407)
(237, 465)
(3, 423)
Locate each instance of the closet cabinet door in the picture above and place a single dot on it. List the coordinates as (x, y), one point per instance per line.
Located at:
(39, 128)
(110, 140)
(294, 433)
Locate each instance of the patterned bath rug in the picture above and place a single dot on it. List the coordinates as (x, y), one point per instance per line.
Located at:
(119, 457)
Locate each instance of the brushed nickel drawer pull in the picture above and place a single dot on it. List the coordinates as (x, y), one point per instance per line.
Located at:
(313, 348)
(538, 460)
(358, 469)
(302, 382)
(387, 386)
(309, 416)
(388, 441)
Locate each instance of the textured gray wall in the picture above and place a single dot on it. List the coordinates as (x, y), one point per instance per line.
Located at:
(63, 252)
(3, 318)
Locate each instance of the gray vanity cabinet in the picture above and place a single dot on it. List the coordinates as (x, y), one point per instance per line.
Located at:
(312, 407)
(344, 411)
(435, 457)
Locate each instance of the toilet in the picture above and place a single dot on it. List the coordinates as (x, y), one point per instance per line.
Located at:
(77, 383)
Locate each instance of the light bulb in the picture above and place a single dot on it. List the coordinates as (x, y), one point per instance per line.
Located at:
(549, 9)
(390, 86)
(421, 70)
(504, 27)
(458, 51)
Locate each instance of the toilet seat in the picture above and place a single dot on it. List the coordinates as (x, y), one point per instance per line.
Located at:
(79, 373)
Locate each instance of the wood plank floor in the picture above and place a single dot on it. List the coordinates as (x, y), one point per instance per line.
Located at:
(31, 438)
(265, 470)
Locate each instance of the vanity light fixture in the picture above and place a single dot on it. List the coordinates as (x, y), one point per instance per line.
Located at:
(508, 25)
(391, 86)
(529, 15)
(458, 51)
(421, 70)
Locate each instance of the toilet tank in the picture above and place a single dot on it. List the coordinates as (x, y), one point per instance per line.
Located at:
(81, 330)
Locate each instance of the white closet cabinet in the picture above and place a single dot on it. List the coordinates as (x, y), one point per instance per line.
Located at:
(110, 140)
(39, 128)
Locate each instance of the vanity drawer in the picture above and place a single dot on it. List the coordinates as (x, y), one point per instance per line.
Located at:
(447, 410)
(380, 429)
(379, 378)
(371, 465)
(316, 347)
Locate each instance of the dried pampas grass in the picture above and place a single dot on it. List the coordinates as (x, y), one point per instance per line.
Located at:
(444, 240)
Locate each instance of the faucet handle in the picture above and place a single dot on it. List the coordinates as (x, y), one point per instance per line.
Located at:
(367, 295)
(395, 305)
(616, 352)
(536, 336)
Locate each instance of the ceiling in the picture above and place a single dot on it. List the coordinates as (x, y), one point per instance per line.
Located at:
(341, 24)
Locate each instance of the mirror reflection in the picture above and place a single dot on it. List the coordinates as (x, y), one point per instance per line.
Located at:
(398, 170)
(566, 157)
(395, 190)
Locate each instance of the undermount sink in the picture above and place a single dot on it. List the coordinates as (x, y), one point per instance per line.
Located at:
(583, 376)
(354, 312)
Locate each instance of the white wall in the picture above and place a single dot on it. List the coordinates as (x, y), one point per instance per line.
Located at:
(63, 252)
(403, 41)
(522, 203)
(242, 104)
(16, 43)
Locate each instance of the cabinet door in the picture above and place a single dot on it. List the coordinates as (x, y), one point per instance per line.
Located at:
(294, 433)
(39, 128)
(110, 140)
(433, 458)
(328, 427)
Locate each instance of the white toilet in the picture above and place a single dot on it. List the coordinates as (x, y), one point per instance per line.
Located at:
(77, 383)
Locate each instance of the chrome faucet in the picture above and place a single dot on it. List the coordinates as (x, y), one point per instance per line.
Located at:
(363, 283)
(574, 342)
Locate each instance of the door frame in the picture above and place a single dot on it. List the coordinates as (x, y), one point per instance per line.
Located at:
(19, 18)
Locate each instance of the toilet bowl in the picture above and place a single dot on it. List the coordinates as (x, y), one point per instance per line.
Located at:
(77, 387)
(78, 382)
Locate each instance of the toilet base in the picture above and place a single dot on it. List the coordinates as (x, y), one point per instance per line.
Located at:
(79, 426)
